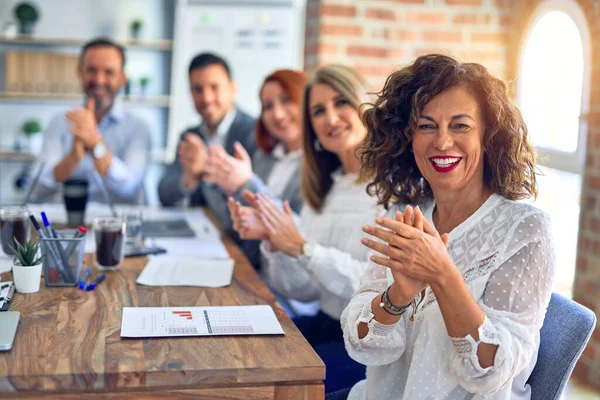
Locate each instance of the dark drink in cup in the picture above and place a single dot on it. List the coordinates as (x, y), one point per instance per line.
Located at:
(109, 233)
(75, 193)
(14, 224)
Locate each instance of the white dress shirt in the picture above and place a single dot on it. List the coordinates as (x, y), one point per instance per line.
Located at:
(218, 137)
(505, 254)
(129, 140)
(332, 274)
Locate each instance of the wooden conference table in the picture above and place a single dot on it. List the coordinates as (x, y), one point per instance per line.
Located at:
(68, 345)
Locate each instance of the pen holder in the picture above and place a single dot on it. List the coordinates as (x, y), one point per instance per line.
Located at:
(62, 258)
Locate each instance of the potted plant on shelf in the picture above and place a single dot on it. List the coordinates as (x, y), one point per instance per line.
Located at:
(27, 15)
(144, 81)
(27, 266)
(136, 28)
(32, 129)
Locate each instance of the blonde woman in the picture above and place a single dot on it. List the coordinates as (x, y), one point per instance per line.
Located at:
(322, 258)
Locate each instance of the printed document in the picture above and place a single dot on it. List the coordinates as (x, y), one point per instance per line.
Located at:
(166, 270)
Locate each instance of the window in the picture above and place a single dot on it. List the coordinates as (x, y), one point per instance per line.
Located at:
(553, 94)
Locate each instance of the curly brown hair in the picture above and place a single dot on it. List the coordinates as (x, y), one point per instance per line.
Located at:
(509, 158)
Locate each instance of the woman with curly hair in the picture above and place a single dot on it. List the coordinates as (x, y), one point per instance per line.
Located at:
(456, 292)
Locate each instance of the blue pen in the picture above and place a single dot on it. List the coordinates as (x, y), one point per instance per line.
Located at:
(95, 282)
(83, 282)
(51, 249)
(51, 233)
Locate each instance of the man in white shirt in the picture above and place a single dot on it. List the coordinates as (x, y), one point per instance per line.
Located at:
(213, 92)
(101, 138)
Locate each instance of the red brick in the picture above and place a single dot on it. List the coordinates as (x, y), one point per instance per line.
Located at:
(430, 50)
(472, 19)
(326, 48)
(481, 56)
(338, 10)
(582, 370)
(442, 36)
(590, 202)
(593, 182)
(463, 2)
(342, 30)
(488, 37)
(590, 352)
(582, 264)
(381, 14)
(409, 1)
(426, 17)
(367, 51)
(405, 35)
(506, 20)
(375, 70)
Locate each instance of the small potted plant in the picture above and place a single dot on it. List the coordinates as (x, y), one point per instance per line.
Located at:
(27, 15)
(144, 81)
(136, 28)
(27, 266)
(32, 129)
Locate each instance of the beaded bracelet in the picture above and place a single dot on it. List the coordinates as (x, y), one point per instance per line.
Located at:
(385, 302)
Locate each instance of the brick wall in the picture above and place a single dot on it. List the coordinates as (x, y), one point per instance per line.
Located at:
(377, 36)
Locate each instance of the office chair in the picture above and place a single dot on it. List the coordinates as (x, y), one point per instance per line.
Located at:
(567, 329)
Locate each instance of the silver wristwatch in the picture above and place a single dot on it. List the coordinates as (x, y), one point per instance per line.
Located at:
(99, 150)
(307, 252)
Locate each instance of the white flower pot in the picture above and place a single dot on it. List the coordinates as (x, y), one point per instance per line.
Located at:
(27, 279)
(35, 142)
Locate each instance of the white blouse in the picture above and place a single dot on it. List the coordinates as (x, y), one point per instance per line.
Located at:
(286, 165)
(505, 254)
(332, 273)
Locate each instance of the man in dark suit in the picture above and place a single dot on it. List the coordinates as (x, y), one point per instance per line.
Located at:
(223, 124)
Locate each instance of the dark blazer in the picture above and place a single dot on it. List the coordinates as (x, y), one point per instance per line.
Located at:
(169, 188)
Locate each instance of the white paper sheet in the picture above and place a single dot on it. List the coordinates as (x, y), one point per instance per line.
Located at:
(200, 248)
(166, 270)
(199, 321)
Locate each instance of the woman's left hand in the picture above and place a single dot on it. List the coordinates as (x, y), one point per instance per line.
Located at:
(281, 226)
(230, 173)
(421, 255)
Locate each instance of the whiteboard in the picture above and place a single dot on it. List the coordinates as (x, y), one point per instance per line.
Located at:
(255, 37)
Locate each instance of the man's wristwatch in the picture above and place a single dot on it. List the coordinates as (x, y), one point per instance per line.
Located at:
(99, 150)
(307, 252)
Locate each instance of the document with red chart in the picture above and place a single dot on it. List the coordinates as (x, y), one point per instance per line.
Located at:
(199, 321)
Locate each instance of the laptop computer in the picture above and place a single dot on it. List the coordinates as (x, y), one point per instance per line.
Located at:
(176, 227)
(9, 320)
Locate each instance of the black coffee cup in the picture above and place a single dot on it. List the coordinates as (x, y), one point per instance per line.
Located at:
(75, 193)
(14, 224)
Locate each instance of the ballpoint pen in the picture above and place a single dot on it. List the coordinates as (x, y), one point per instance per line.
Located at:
(83, 282)
(95, 282)
(51, 233)
(81, 231)
(51, 249)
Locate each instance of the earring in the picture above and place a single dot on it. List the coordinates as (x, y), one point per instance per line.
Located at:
(317, 145)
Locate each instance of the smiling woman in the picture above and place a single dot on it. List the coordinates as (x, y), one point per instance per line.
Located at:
(473, 266)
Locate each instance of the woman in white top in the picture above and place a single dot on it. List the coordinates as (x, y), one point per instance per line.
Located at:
(275, 167)
(454, 315)
(322, 259)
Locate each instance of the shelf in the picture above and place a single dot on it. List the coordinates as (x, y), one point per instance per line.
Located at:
(161, 45)
(11, 155)
(148, 101)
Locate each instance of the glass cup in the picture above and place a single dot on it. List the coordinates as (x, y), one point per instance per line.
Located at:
(133, 220)
(14, 223)
(75, 193)
(109, 233)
